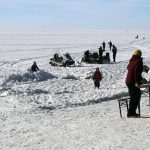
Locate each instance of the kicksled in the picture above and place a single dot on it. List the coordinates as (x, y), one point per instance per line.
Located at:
(124, 102)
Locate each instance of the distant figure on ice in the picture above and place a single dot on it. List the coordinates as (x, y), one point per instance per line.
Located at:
(110, 45)
(100, 55)
(137, 37)
(97, 77)
(100, 52)
(68, 56)
(87, 55)
(34, 67)
(103, 44)
(114, 51)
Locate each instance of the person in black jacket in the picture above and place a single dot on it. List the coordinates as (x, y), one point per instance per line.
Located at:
(34, 67)
(100, 52)
(110, 45)
(137, 37)
(114, 51)
(100, 55)
(87, 56)
(103, 44)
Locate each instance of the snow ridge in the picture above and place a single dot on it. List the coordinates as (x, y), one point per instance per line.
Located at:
(38, 76)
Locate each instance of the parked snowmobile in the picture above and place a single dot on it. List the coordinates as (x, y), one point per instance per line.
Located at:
(64, 60)
(146, 68)
(106, 58)
(94, 58)
(90, 57)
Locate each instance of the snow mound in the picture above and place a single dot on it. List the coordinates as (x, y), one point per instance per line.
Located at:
(27, 92)
(88, 75)
(70, 77)
(28, 77)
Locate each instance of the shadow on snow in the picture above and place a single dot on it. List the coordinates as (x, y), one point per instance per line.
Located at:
(80, 104)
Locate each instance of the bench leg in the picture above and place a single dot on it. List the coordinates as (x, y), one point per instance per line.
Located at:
(120, 109)
(139, 109)
(127, 106)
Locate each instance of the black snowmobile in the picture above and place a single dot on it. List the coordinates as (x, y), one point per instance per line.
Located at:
(94, 58)
(64, 60)
(146, 68)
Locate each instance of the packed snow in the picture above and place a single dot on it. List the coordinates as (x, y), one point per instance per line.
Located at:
(59, 107)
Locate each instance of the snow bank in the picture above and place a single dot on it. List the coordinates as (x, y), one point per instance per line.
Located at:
(28, 77)
(70, 77)
(88, 75)
(40, 112)
(26, 92)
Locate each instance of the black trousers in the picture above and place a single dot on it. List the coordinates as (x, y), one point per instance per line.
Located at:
(114, 57)
(135, 96)
(97, 84)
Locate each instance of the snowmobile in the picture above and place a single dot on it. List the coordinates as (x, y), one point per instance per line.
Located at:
(106, 58)
(146, 68)
(94, 58)
(64, 60)
(90, 57)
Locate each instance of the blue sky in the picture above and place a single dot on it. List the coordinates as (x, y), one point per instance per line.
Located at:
(81, 14)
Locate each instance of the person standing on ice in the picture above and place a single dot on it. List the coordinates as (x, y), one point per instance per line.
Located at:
(100, 52)
(137, 37)
(97, 77)
(114, 51)
(110, 45)
(34, 67)
(133, 80)
(103, 44)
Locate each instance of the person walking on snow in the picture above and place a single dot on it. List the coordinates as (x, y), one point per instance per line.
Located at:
(34, 67)
(97, 77)
(133, 80)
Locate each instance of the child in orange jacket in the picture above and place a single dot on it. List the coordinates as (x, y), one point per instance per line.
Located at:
(97, 77)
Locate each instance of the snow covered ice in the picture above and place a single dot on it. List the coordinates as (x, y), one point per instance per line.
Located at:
(59, 108)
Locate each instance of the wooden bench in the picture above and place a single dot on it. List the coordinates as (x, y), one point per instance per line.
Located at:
(124, 102)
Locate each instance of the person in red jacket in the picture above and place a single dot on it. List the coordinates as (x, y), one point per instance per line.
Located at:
(97, 78)
(133, 80)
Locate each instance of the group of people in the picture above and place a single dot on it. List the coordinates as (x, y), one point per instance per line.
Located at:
(133, 81)
(137, 37)
(112, 48)
(104, 45)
